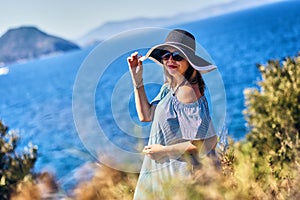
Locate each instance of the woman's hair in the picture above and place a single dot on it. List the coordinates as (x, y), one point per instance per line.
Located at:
(189, 77)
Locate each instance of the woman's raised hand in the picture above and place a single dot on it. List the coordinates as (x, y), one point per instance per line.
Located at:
(136, 69)
(133, 60)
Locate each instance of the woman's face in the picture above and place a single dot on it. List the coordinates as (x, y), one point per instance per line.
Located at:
(174, 67)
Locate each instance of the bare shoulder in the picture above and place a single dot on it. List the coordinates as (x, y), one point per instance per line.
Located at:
(188, 94)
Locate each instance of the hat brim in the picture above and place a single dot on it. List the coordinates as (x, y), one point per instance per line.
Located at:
(198, 63)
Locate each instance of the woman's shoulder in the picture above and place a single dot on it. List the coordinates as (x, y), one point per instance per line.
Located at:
(188, 94)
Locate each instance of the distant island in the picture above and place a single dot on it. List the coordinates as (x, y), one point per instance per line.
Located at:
(29, 42)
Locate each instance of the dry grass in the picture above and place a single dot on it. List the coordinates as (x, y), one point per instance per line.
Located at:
(236, 178)
(107, 183)
(43, 187)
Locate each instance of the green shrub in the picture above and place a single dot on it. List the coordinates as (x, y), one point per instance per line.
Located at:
(14, 167)
(273, 112)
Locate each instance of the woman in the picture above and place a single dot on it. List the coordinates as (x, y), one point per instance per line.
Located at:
(182, 130)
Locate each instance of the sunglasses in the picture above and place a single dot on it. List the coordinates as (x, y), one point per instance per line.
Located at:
(175, 55)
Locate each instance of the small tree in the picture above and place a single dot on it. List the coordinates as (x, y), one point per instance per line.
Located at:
(13, 166)
(273, 113)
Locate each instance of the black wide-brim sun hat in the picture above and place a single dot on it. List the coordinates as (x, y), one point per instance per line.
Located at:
(185, 43)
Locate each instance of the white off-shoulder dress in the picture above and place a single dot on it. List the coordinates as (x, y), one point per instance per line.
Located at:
(173, 122)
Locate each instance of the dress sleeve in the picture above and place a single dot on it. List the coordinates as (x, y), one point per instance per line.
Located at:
(194, 120)
(162, 93)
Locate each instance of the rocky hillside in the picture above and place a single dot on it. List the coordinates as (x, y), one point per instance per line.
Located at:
(29, 42)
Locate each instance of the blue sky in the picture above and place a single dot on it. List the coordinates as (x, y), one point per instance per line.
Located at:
(72, 19)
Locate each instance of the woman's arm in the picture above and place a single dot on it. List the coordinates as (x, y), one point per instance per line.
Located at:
(144, 109)
(197, 147)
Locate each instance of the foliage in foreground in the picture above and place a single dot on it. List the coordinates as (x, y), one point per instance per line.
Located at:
(263, 166)
(14, 167)
(273, 113)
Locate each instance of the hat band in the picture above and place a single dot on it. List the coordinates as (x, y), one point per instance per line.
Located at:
(180, 44)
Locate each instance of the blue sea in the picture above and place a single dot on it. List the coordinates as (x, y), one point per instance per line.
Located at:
(36, 96)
